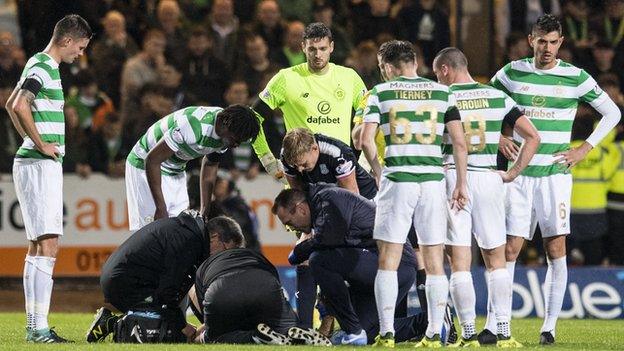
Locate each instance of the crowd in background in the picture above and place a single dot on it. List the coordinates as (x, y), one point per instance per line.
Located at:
(150, 57)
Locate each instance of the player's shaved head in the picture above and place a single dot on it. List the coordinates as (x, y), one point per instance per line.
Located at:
(72, 26)
(451, 57)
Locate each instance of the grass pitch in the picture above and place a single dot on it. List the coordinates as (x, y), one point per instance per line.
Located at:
(571, 335)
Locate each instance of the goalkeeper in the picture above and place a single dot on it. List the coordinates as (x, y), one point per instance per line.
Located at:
(317, 95)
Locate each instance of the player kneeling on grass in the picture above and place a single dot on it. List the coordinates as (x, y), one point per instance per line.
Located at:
(341, 248)
(242, 297)
(152, 271)
(155, 169)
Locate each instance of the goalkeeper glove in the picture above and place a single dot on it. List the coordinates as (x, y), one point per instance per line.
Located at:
(274, 167)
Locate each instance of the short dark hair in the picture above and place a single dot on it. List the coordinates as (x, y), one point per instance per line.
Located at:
(227, 229)
(395, 52)
(200, 31)
(452, 57)
(288, 198)
(72, 26)
(317, 30)
(240, 120)
(547, 23)
(84, 78)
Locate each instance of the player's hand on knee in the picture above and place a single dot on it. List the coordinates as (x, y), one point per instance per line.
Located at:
(509, 149)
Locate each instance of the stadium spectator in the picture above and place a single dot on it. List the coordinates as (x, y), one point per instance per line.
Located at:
(232, 203)
(291, 53)
(204, 78)
(155, 101)
(591, 178)
(516, 47)
(363, 60)
(106, 149)
(110, 52)
(610, 23)
(269, 25)
(576, 24)
(91, 104)
(12, 60)
(76, 139)
(241, 159)
(603, 62)
(340, 248)
(225, 31)
(324, 13)
(523, 13)
(9, 138)
(141, 69)
(296, 10)
(426, 24)
(255, 63)
(372, 19)
(169, 20)
(152, 270)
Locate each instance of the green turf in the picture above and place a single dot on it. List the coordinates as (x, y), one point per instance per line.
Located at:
(571, 335)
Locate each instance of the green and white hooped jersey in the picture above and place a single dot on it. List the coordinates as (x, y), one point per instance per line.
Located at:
(47, 108)
(549, 99)
(189, 132)
(411, 113)
(482, 109)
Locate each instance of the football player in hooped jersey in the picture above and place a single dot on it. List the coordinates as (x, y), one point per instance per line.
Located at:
(483, 110)
(412, 112)
(549, 90)
(155, 176)
(36, 110)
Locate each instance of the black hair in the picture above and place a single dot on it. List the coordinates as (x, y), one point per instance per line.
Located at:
(72, 26)
(84, 78)
(395, 52)
(227, 229)
(317, 30)
(288, 198)
(241, 121)
(513, 38)
(200, 31)
(452, 57)
(546, 23)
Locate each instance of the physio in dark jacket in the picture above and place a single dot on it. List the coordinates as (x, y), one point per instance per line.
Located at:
(340, 247)
(156, 265)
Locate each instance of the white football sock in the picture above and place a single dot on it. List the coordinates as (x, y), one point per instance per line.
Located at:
(44, 266)
(29, 291)
(490, 321)
(554, 290)
(500, 285)
(437, 290)
(386, 293)
(511, 268)
(463, 294)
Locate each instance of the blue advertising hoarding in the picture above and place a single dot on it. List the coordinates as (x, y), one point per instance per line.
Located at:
(592, 292)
